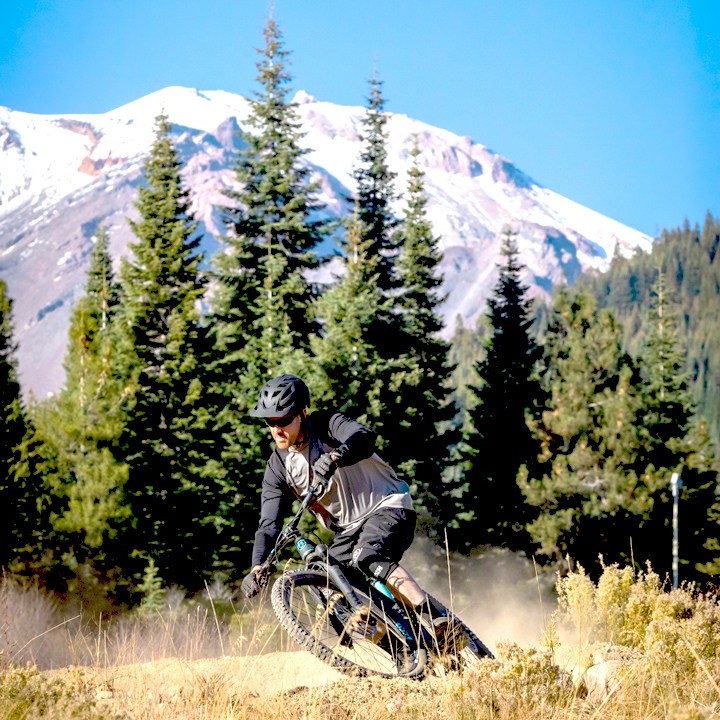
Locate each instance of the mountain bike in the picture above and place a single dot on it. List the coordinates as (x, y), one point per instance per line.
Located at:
(353, 622)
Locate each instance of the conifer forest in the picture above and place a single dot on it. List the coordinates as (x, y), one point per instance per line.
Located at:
(551, 429)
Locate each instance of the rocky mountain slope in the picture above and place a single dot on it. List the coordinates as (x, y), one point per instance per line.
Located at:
(63, 176)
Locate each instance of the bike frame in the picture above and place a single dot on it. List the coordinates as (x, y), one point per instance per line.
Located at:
(375, 591)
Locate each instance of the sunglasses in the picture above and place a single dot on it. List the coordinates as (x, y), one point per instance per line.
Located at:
(280, 422)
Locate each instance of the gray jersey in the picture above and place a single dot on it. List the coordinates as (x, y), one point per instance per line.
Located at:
(353, 493)
(362, 485)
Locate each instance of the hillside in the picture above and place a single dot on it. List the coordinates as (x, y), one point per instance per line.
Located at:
(689, 261)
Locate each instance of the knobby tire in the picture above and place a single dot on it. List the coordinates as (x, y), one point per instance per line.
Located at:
(473, 652)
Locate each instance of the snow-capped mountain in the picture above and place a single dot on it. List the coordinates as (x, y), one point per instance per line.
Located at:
(63, 176)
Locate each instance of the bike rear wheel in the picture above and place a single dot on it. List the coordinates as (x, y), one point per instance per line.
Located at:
(474, 652)
(316, 615)
(469, 650)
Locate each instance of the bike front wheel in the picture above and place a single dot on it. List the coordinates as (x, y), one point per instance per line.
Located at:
(376, 641)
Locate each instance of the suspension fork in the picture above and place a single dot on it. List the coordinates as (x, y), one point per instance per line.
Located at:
(336, 575)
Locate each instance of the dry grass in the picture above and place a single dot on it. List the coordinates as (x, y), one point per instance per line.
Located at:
(623, 648)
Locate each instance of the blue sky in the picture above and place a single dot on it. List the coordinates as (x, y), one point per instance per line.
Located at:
(613, 103)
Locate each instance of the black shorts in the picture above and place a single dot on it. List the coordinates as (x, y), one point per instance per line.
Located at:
(388, 532)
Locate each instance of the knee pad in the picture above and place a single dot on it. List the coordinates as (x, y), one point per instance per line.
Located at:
(371, 563)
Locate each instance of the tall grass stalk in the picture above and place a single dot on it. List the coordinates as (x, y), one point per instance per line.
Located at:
(449, 572)
(217, 623)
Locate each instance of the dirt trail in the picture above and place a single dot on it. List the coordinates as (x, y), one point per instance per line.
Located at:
(273, 686)
(256, 675)
(168, 680)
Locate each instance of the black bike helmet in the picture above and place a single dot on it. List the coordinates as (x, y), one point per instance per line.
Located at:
(282, 396)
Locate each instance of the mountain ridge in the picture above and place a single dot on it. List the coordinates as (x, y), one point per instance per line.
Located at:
(64, 175)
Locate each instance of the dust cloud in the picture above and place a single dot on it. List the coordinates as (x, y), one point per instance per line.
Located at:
(502, 596)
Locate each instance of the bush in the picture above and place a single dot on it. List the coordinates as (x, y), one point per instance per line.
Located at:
(667, 637)
(26, 693)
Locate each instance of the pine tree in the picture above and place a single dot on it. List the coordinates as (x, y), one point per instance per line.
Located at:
(13, 428)
(263, 303)
(80, 428)
(499, 441)
(375, 190)
(350, 310)
(675, 440)
(588, 484)
(166, 439)
(376, 226)
(687, 261)
(466, 350)
(422, 411)
(273, 220)
(26, 528)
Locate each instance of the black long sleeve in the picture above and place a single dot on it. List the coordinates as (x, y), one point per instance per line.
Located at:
(336, 430)
(275, 503)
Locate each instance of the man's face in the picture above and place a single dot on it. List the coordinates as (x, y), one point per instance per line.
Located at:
(286, 437)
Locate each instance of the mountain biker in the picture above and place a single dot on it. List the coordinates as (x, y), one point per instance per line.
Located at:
(360, 498)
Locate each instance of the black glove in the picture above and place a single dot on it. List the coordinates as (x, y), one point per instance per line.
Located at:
(252, 584)
(323, 469)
